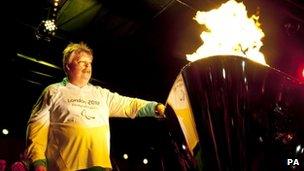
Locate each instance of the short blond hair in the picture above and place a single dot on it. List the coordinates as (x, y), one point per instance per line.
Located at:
(74, 48)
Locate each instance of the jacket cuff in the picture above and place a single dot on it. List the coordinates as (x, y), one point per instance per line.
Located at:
(41, 162)
(148, 110)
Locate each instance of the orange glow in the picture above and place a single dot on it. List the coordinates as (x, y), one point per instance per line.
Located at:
(230, 32)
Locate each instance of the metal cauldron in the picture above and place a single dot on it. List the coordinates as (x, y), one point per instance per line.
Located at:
(230, 113)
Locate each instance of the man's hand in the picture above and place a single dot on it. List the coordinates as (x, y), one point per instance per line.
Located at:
(160, 110)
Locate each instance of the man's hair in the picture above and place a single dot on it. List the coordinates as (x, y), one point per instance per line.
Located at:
(74, 48)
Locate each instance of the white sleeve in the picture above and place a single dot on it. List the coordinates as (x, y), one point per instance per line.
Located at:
(37, 128)
(122, 106)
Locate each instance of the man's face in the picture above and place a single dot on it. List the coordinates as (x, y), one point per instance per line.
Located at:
(80, 68)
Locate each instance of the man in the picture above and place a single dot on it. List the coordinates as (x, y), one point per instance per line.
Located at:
(69, 125)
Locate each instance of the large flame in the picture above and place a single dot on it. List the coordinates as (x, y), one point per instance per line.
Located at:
(230, 32)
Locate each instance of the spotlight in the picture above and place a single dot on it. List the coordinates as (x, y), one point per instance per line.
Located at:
(5, 131)
(145, 161)
(49, 25)
(46, 29)
(125, 156)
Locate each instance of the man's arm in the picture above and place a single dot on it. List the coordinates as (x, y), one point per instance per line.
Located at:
(37, 131)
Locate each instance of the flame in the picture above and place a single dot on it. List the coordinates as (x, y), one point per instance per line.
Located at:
(230, 32)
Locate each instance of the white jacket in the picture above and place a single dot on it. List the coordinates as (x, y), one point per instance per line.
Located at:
(69, 125)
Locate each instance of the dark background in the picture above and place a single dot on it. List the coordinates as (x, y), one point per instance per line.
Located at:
(139, 48)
